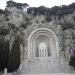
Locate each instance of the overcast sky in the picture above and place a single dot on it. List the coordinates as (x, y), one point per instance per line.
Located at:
(36, 3)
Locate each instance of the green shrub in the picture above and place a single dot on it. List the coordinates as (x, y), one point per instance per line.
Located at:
(14, 58)
(4, 31)
(24, 26)
(4, 53)
(48, 19)
(72, 61)
(7, 19)
(43, 21)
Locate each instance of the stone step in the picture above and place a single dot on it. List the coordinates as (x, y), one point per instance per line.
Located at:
(51, 74)
(43, 74)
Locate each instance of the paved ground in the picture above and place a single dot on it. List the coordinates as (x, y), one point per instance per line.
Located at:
(44, 74)
(52, 74)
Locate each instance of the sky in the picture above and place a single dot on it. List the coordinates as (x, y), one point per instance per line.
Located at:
(37, 3)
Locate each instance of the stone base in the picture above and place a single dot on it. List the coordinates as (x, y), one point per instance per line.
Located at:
(52, 74)
(47, 65)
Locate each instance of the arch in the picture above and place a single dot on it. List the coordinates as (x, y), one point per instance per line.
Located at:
(53, 41)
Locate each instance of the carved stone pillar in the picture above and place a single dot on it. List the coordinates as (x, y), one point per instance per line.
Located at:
(43, 50)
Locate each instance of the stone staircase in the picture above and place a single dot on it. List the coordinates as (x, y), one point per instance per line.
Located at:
(52, 74)
(46, 66)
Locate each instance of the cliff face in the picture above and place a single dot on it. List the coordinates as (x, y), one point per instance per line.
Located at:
(15, 20)
(16, 16)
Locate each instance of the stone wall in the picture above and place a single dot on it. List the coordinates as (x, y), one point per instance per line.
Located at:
(37, 23)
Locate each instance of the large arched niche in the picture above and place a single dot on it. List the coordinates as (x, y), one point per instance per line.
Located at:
(43, 35)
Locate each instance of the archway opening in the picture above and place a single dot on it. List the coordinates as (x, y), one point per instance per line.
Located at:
(43, 42)
(42, 46)
(43, 51)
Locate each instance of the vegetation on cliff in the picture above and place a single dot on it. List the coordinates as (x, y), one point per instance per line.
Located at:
(15, 21)
(14, 58)
(4, 53)
(17, 5)
(56, 10)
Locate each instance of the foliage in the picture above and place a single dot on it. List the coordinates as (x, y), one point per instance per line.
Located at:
(30, 10)
(24, 26)
(67, 25)
(72, 61)
(48, 19)
(14, 58)
(67, 22)
(12, 26)
(7, 19)
(1, 11)
(17, 5)
(4, 11)
(56, 10)
(41, 21)
(4, 53)
(4, 31)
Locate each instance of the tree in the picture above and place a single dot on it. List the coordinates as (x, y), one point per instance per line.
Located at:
(11, 3)
(72, 57)
(67, 23)
(4, 31)
(4, 53)
(48, 18)
(14, 58)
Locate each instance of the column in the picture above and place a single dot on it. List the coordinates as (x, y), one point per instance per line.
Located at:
(41, 52)
(44, 53)
(5, 71)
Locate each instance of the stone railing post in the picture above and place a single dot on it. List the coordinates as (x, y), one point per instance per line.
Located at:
(5, 71)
